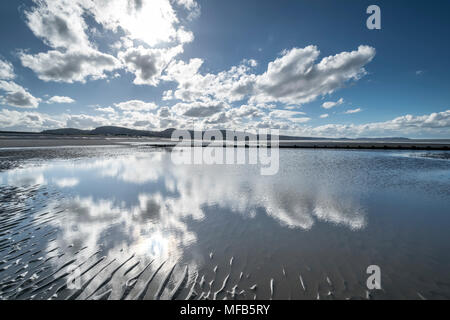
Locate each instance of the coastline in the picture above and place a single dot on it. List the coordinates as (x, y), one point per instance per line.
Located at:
(30, 141)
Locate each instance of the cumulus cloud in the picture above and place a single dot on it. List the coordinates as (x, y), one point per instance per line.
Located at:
(136, 105)
(300, 120)
(83, 121)
(148, 64)
(325, 115)
(231, 85)
(14, 94)
(436, 124)
(164, 112)
(218, 118)
(62, 24)
(350, 111)
(106, 110)
(60, 99)
(152, 35)
(181, 71)
(152, 22)
(70, 66)
(199, 109)
(294, 78)
(59, 24)
(433, 120)
(235, 118)
(27, 121)
(331, 104)
(271, 124)
(6, 70)
(75, 57)
(430, 125)
(285, 113)
(246, 111)
(192, 6)
(17, 96)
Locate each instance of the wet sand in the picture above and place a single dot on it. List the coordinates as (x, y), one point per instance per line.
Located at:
(29, 141)
(39, 140)
(130, 225)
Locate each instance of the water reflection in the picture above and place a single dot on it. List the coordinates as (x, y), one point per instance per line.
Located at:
(163, 191)
(142, 213)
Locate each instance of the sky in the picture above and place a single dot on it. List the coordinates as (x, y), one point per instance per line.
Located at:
(307, 68)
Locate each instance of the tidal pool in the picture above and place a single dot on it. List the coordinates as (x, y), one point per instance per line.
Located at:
(127, 223)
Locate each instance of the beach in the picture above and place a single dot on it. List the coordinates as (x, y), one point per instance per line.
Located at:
(43, 140)
(127, 223)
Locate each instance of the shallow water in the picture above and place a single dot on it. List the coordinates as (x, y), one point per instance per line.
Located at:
(126, 223)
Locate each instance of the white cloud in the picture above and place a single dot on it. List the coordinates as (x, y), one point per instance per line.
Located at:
(148, 64)
(300, 120)
(60, 99)
(231, 85)
(325, 115)
(152, 22)
(75, 56)
(17, 96)
(152, 35)
(6, 70)
(192, 6)
(27, 121)
(246, 111)
(183, 72)
(217, 118)
(331, 104)
(106, 110)
(436, 124)
(167, 95)
(136, 105)
(433, 120)
(60, 24)
(199, 109)
(285, 113)
(83, 121)
(430, 125)
(70, 66)
(350, 111)
(164, 112)
(184, 36)
(271, 124)
(293, 79)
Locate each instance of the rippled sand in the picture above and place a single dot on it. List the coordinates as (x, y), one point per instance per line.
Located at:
(125, 223)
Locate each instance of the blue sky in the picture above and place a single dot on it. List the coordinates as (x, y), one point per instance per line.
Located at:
(304, 67)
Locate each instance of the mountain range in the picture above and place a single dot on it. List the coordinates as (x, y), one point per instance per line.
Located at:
(120, 131)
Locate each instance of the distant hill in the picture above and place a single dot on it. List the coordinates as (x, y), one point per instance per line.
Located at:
(67, 131)
(111, 131)
(120, 131)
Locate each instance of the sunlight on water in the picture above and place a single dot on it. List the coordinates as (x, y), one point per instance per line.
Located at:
(135, 226)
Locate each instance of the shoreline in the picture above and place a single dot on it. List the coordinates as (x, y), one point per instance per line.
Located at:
(7, 142)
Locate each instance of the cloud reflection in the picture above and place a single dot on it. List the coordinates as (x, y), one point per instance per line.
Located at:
(141, 205)
(152, 218)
